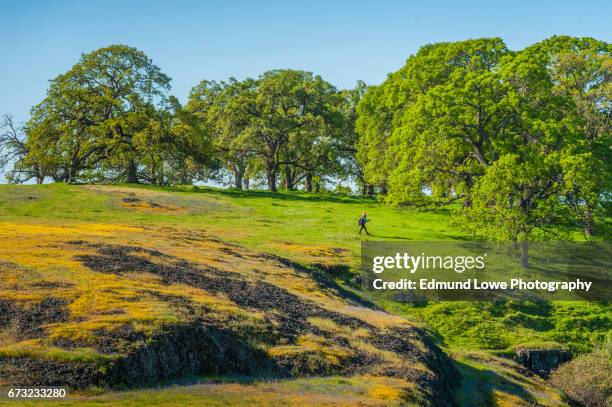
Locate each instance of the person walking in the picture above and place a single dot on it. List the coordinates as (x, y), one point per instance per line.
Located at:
(362, 221)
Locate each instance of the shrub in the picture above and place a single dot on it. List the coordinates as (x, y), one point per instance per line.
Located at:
(343, 190)
(587, 379)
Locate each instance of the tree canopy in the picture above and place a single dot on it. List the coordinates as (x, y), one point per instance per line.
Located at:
(520, 138)
(287, 124)
(110, 118)
(513, 135)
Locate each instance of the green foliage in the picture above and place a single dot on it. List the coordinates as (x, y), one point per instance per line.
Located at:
(431, 120)
(346, 148)
(110, 118)
(372, 125)
(287, 122)
(514, 197)
(587, 380)
(505, 325)
(446, 137)
(217, 107)
(522, 138)
(343, 190)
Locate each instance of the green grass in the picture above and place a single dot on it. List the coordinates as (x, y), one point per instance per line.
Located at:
(325, 391)
(488, 380)
(502, 326)
(256, 219)
(307, 228)
(311, 229)
(87, 356)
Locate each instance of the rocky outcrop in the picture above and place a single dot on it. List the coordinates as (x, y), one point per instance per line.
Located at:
(184, 350)
(27, 318)
(198, 343)
(31, 371)
(542, 361)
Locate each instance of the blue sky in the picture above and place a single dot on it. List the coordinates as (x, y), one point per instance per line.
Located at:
(193, 40)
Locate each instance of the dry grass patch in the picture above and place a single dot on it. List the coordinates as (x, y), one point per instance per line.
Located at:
(330, 326)
(138, 205)
(328, 253)
(311, 354)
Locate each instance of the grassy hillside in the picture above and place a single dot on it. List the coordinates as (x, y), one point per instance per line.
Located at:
(108, 283)
(312, 222)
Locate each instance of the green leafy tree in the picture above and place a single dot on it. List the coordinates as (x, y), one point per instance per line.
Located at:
(392, 118)
(14, 149)
(287, 124)
(553, 164)
(313, 151)
(348, 165)
(288, 111)
(517, 199)
(219, 106)
(173, 148)
(91, 114)
(561, 92)
(522, 138)
(449, 134)
(374, 125)
(582, 72)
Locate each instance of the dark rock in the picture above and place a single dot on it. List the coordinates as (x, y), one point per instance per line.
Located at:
(202, 345)
(27, 318)
(33, 372)
(542, 361)
(188, 349)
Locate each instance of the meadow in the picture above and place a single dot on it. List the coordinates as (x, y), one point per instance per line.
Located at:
(317, 232)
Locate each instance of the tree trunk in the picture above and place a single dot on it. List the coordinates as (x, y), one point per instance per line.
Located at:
(288, 178)
(271, 176)
(525, 254)
(588, 230)
(132, 176)
(152, 175)
(73, 170)
(245, 182)
(40, 178)
(238, 177)
(71, 176)
(587, 221)
(308, 182)
(317, 187)
(467, 202)
(369, 189)
(383, 189)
